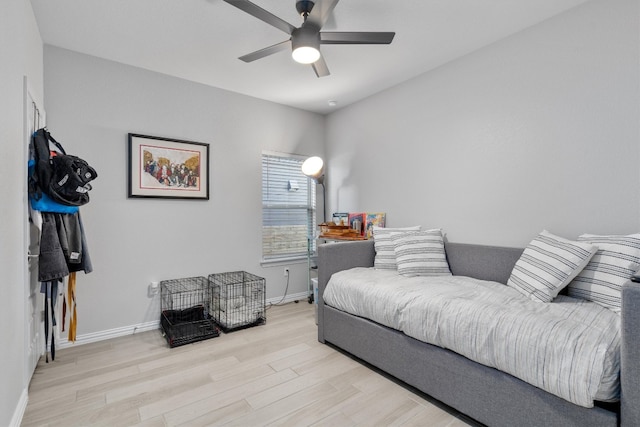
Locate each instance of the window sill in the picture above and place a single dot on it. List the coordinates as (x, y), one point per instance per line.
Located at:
(283, 261)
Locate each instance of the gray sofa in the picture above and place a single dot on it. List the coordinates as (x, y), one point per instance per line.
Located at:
(485, 394)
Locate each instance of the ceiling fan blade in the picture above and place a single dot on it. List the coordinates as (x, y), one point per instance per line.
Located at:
(261, 14)
(266, 51)
(320, 12)
(342, 37)
(320, 67)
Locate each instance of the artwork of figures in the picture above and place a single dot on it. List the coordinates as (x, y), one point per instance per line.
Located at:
(161, 167)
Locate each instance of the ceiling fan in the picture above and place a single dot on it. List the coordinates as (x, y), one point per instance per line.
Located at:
(305, 40)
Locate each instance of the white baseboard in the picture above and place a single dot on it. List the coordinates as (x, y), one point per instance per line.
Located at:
(108, 334)
(63, 342)
(16, 420)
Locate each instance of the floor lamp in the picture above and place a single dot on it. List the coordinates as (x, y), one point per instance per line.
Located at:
(313, 167)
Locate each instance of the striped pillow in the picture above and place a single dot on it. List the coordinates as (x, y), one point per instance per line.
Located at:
(385, 258)
(601, 281)
(548, 264)
(421, 253)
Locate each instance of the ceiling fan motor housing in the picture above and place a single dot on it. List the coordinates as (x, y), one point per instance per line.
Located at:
(305, 36)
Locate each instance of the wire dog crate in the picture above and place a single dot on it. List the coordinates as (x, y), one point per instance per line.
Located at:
(186, 311)
(238, 300)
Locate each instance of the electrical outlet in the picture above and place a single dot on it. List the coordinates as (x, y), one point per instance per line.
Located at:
(153, 289)
(286, 272)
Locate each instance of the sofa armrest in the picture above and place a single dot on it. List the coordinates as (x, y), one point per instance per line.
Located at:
(630, 355)
(334, 257)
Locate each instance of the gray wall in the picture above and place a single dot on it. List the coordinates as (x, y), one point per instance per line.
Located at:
(539, 130)
(92, 104)
(21, 53)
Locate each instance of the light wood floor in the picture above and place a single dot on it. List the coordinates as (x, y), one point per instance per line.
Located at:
(275, 374)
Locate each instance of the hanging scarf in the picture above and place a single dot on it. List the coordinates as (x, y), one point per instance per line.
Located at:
(71, 297)
(50, 291)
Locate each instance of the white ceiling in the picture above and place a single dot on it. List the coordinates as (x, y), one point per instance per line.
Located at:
(200, 40)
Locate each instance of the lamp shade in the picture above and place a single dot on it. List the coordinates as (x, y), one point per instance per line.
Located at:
(313, 167)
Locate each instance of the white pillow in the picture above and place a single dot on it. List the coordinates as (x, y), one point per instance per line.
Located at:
(385, 258)
(601, 281)
(548, 264)
(421, 253)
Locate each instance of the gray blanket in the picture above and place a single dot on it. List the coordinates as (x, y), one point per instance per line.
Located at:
(570, 347)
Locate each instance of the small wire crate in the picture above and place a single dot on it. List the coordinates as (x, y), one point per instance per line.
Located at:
(186, 311)
(238, 300)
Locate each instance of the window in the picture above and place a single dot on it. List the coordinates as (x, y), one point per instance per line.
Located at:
(288, 207)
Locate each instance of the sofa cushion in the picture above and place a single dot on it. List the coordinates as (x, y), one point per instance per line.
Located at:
(548, 264)
(421, 253)
(385, 258)
(617, 258)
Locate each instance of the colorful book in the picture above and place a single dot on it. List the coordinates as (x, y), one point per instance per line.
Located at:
(341, 218)
(377, 219)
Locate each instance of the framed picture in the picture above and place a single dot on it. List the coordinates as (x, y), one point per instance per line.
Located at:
(168, 168)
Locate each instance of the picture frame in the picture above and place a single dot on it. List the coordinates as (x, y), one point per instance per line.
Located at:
(167, 168)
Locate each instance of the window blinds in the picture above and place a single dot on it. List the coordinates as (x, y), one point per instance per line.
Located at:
(288, 207)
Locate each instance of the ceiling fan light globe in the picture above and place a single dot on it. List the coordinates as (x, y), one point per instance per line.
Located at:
(305, 54)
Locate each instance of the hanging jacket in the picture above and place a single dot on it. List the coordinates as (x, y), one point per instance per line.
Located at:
(85, 260)
(70, 234)
(52, 264)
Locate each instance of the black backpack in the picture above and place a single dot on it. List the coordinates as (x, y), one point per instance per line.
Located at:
(62, 177)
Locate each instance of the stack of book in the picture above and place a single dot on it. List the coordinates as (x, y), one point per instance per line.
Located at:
(352, 225)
